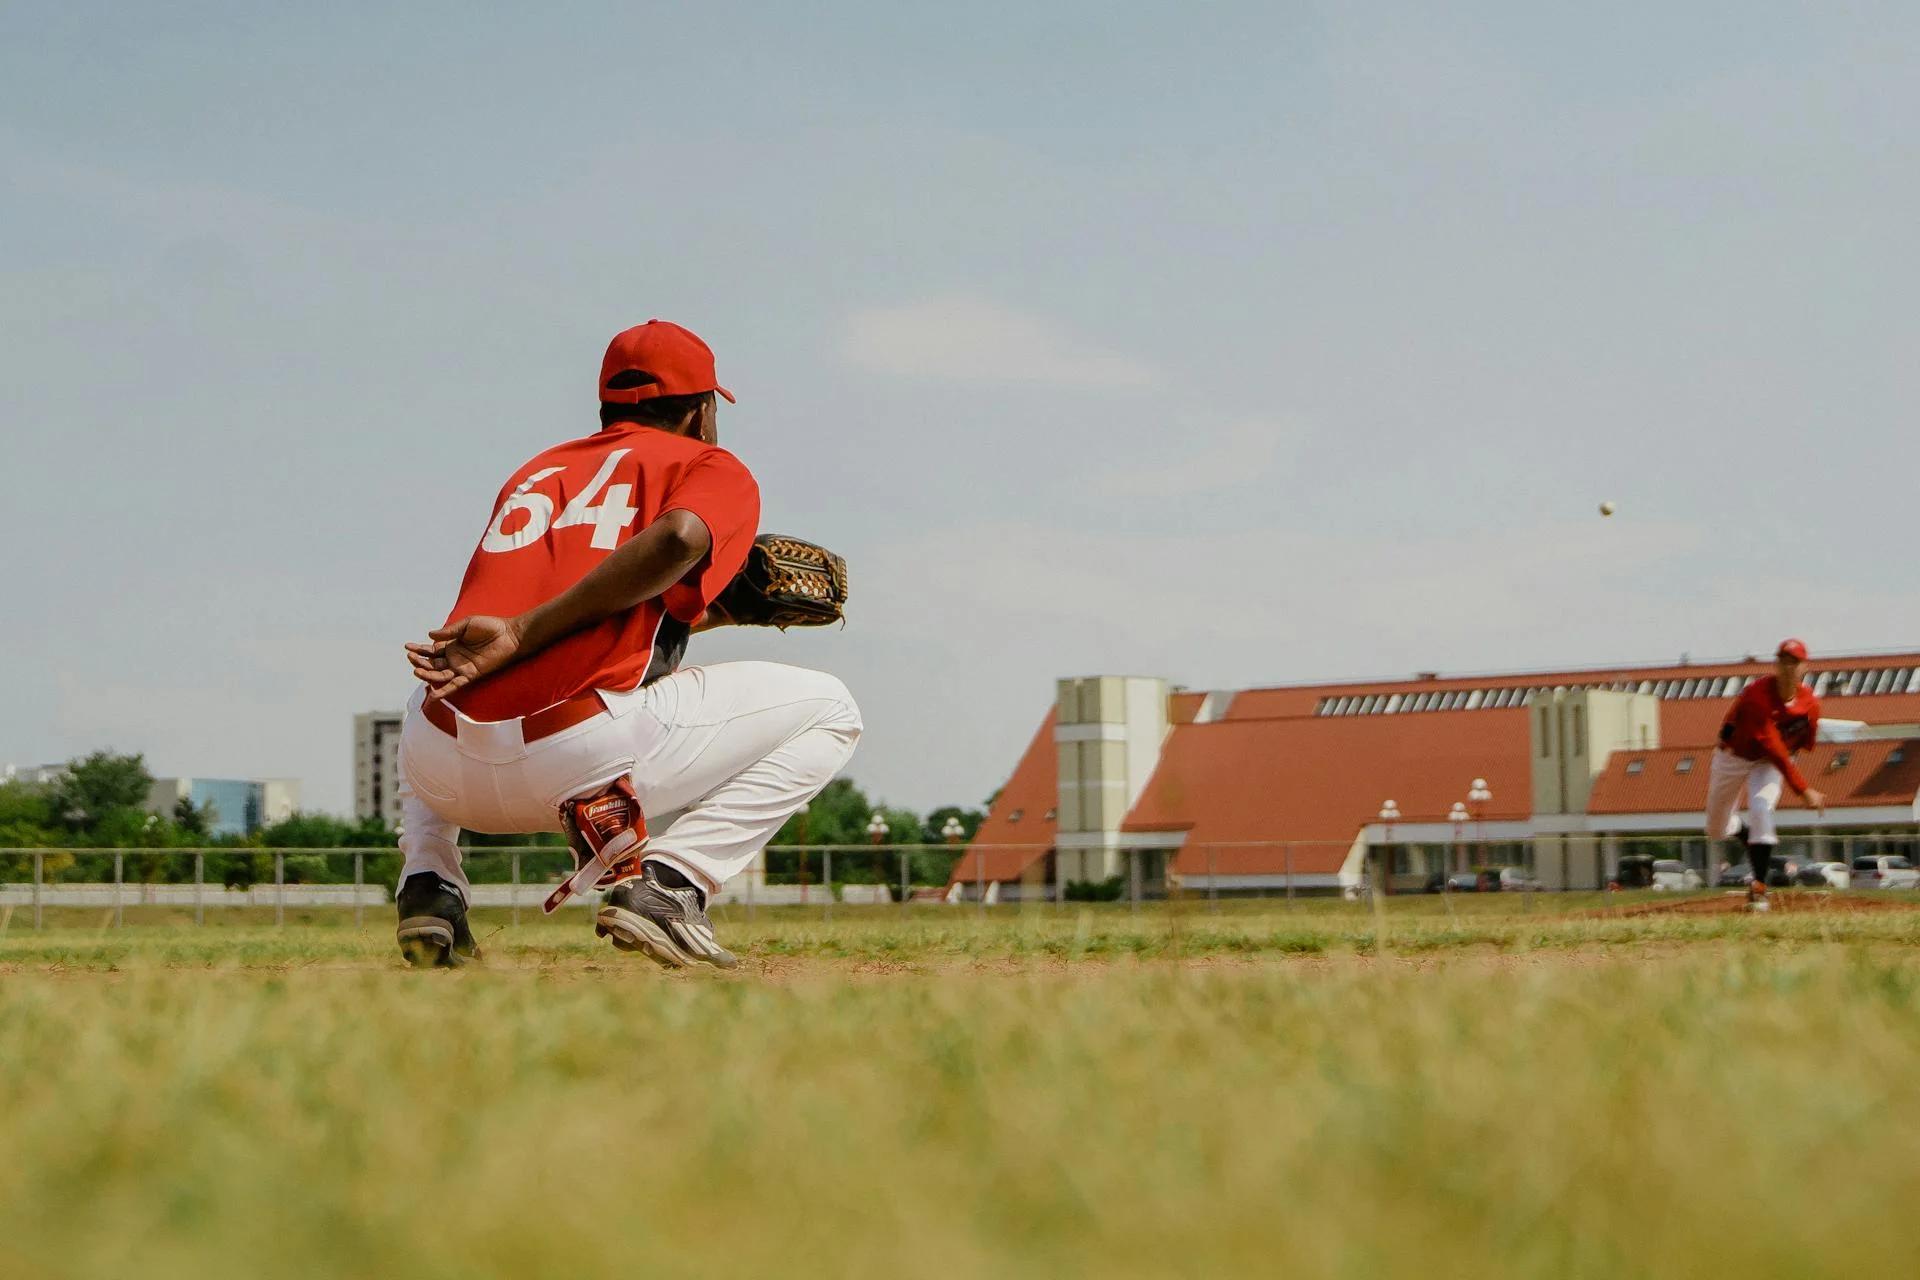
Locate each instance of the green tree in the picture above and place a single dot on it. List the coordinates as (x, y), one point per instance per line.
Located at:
(190, 820)
(100, 791)
(970, 820)
(28, 818)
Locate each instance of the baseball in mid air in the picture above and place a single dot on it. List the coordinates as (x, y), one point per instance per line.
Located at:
(1606, 508)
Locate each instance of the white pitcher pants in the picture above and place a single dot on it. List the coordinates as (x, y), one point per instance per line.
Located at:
(727, 752)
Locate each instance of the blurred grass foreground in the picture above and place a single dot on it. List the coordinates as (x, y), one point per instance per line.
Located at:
(1725, 1105)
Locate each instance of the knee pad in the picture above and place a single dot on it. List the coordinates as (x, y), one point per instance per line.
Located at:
(606, 824)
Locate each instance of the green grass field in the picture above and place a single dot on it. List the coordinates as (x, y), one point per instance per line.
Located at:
(1500, 1090)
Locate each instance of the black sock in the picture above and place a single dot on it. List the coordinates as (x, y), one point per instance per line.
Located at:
(1760, 858)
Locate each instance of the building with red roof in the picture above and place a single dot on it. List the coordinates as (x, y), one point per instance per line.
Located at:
(1259, 789)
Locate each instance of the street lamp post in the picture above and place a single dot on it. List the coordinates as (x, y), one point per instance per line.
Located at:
(1478, 796)
(1389, 814)
(1458, 816)
(953, 833)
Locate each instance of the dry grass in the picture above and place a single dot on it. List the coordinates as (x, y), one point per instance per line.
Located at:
(952, 1097)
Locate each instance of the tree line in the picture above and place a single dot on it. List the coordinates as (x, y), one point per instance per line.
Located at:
(99, 804)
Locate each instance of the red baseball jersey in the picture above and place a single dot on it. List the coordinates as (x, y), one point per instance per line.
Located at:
(564, 511)
(1760, 726)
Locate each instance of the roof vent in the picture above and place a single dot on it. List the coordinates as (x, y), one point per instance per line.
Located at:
(1635, 766)
(1840, 762)
(1683, 765)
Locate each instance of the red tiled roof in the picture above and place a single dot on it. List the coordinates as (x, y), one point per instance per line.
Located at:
(1004, 847)
(1853, 775)
(1317, 780)
(1301, 700)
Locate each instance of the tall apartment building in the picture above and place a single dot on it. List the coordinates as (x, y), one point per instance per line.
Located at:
(376, 765)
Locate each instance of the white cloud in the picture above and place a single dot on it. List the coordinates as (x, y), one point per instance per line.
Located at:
(1240, 453)
(972, 339)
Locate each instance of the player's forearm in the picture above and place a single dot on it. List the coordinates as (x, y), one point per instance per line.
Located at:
(1777, 754)
(642, 568)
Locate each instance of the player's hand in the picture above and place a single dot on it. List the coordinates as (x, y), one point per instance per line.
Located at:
(463, 651)
(1816, 799)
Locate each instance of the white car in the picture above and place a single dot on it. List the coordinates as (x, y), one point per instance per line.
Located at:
(1670, 875)
(1884, 872)
(1823, 875)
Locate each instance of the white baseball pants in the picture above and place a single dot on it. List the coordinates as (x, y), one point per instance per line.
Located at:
(1731, 778)
(730, 751)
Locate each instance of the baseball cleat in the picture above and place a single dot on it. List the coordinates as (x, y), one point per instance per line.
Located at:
(666, 923)
(433, 932)
(1757, 897)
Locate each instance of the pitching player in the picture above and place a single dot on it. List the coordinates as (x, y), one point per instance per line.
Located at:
(552, 699)
(1774, 717)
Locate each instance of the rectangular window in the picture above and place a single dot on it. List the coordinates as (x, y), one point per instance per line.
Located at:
(1683, 765)
(1635, 766)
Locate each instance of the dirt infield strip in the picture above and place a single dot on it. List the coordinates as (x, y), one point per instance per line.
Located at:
(1811, 902)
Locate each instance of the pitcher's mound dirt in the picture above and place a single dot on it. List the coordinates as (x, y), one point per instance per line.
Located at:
(1785, 902)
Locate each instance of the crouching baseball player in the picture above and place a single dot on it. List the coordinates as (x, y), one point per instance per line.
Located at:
(1774, 717)
(552, 699)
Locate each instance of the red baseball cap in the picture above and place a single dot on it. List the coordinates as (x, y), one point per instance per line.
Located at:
(1792, 649)
(654, 359)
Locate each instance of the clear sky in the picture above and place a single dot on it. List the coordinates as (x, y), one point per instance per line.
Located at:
(1234, 343)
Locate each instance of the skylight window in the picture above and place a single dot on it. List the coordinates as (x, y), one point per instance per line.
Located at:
(1683, 765)
(1635, 767)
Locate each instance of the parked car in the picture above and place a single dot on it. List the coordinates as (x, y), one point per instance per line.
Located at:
(1635, 871)
(1670, 875)
(1884, 872)
(1517, 880)
(1823, 875)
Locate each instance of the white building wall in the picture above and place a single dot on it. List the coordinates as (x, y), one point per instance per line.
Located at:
(376, 765)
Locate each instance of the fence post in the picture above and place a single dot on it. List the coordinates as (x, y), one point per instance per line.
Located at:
(118, 880)
(199, 887)
(1289, 875)
(1213, 887)
(826, 880)
(359, 878)
(1133, 879)
(906, 890)
(39, 869)
(279, 888)
(516, 890)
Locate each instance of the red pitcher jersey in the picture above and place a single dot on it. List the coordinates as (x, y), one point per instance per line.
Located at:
(1761, 726)
(565, 511)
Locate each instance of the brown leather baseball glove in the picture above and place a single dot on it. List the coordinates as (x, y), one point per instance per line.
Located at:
(786, 582)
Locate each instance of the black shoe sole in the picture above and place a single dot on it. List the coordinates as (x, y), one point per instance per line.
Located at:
(427, 943)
